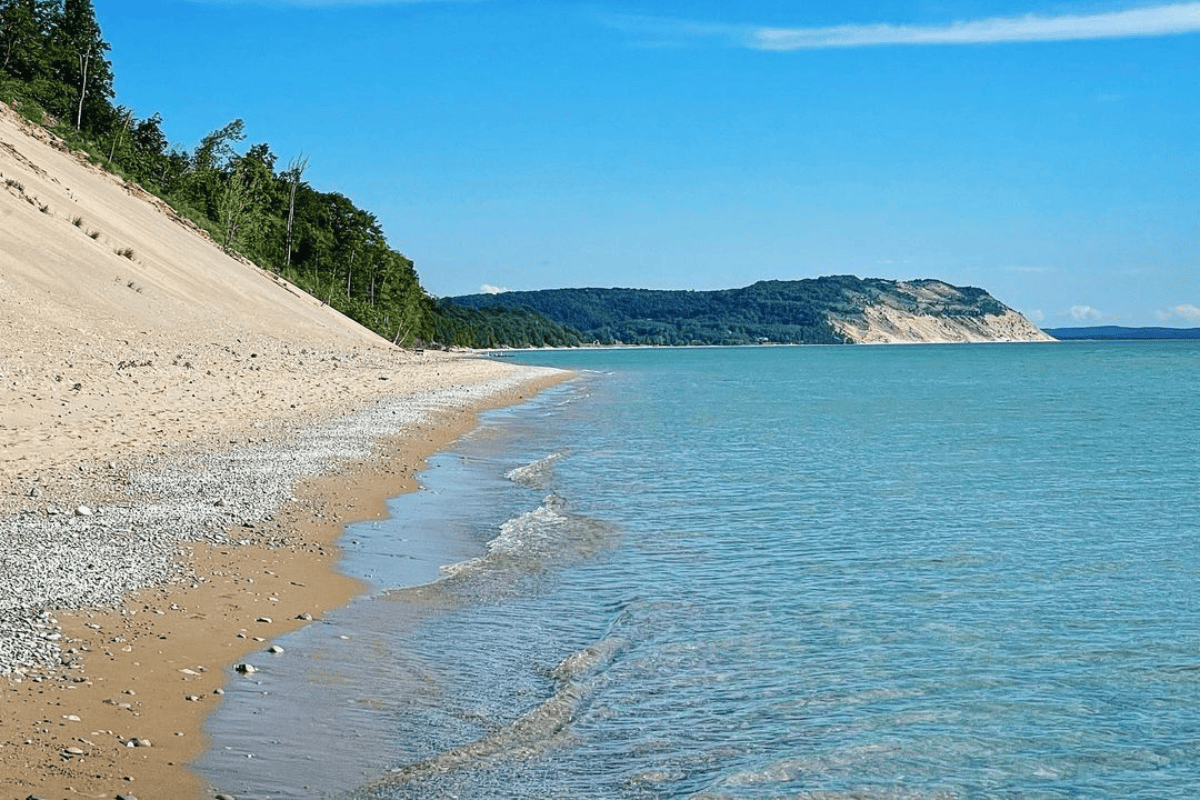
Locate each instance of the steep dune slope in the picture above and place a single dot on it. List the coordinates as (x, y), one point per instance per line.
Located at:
(932, 311)
(124, 330)
(60, 275)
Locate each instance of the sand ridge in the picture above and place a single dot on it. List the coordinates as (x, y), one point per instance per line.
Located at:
(103, 355)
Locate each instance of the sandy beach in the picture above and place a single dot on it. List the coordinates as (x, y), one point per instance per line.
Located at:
(126, 382)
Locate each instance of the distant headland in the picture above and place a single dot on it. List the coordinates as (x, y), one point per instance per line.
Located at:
(841, 309)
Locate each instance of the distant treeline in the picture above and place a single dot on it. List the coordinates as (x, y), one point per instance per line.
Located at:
(54, 70)
(784, 312)
(499, 326)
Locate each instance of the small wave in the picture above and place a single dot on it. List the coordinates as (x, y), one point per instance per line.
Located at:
(589, 658)
(535, 542)
(528, 549)
(543, 727)
(536, 475)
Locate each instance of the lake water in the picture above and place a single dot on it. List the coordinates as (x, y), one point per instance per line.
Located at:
(963, 571)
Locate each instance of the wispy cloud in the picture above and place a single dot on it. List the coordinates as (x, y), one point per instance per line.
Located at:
(1085, 313)
(1184, 311)
(1171, 19)
(488, 288)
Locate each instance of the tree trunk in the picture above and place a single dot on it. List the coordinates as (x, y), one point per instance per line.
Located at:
(120, 135)
(296, 169)
(84, 60)
(291, 218)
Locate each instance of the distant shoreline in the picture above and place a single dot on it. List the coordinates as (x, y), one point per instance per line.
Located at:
(509, 352)
(1100, 333)
(1117, 332)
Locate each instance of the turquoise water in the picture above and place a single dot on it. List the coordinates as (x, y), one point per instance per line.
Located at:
(841, 572)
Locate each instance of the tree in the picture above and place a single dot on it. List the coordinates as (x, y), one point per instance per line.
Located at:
(83, 73)
(150, 146)
(212, 160)
(242, 204)
(23, 27)
(294, 173)
(127, 115)
(216, 149)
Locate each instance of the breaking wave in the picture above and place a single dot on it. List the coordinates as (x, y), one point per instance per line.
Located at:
(536, 475)
(529, 548)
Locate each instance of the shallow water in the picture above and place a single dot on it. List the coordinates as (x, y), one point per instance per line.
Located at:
(960, 572)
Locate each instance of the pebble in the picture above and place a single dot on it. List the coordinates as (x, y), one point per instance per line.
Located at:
(246, 669)
(92, 560)
(276, 649)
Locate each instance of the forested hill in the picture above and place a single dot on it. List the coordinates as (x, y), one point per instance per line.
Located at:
(830, 310)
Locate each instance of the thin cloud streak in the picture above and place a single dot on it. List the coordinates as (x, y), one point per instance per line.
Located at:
(1172, 19)
(1169, 20)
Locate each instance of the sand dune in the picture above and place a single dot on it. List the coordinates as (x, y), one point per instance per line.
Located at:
(104, 356)
(129, 340)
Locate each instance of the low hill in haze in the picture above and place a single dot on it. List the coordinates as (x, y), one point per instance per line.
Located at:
(1118, 332)
(830, 310)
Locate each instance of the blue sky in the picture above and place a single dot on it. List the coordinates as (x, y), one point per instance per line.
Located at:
(1045, 150)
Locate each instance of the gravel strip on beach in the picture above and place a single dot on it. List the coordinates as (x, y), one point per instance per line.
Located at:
(88, 556)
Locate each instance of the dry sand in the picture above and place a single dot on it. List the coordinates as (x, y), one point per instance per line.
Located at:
(111, 358)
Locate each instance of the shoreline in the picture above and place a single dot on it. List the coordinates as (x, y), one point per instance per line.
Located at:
(147, 406)
(151, 669)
